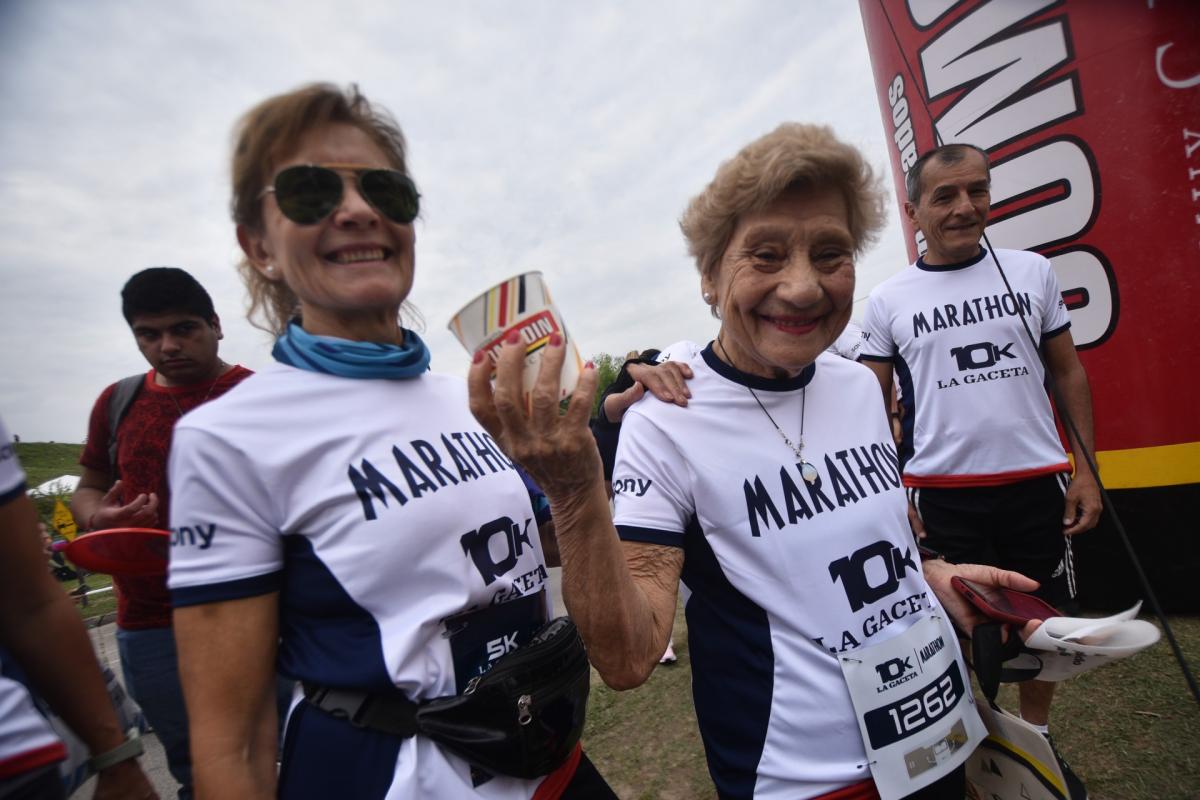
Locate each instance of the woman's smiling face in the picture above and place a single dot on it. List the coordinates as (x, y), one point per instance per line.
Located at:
(785, 284)
(352, 270)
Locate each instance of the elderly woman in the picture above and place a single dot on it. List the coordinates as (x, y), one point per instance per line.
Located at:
(823, 665)
(341, 513)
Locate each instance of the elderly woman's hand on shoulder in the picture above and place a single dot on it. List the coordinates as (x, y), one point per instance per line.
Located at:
(556, 448)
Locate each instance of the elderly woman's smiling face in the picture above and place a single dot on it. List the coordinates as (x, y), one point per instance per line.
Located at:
(785, 284)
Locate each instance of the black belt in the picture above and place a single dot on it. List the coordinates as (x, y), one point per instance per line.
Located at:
(523, 717)
(389, 712)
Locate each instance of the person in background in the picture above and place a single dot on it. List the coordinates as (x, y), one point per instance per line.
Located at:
(848, 346)
(983, 464)
(41, 637)
(124, 482)
(848, 343)
(665, 379)
(47, 542)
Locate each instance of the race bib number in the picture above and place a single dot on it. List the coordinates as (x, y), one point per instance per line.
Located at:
(915, 710)
(479, 638)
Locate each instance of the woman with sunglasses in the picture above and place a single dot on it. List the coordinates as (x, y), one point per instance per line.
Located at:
(342, 514)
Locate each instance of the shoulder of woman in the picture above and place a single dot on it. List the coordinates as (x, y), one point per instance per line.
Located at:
(684, 350)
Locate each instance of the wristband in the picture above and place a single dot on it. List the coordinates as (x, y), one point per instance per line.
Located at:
(130, 748)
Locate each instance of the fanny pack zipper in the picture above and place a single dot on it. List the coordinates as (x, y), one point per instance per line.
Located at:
(528, 704)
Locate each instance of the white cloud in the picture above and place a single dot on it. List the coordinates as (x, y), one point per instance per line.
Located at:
(558, 137)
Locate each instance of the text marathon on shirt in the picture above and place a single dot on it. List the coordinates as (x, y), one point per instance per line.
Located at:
(970, 312)
(847, 477)
(454, 458)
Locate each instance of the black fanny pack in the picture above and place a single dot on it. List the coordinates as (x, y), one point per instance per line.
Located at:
(523, 717)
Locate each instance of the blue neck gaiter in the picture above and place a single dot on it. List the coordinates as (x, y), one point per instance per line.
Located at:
(349, 359)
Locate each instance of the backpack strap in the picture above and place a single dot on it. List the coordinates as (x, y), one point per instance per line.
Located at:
(119, 401)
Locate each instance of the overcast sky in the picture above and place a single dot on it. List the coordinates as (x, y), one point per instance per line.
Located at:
(561, 137)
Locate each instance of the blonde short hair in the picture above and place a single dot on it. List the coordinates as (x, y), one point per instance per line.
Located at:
(794, 154)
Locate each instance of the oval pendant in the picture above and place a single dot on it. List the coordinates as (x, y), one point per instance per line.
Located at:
(808, 472)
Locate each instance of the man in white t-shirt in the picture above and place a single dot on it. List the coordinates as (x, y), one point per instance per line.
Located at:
(983, 464)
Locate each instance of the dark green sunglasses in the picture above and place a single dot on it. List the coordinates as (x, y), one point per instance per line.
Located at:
(307, 193)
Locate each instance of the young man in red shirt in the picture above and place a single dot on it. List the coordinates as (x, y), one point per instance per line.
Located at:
(177, 330)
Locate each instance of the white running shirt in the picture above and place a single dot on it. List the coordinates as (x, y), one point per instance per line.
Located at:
(849, 343)
(378, 510)
(781, 573)
(976, 412)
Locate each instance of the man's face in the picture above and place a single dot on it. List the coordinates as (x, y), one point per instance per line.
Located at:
(953, 208)
(181, 347)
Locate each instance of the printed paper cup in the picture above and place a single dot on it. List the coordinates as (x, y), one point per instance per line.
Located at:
(521, 304)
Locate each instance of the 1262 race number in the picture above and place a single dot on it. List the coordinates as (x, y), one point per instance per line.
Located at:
(916, 712)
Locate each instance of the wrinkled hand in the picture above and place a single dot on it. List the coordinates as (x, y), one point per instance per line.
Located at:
(938, 574)
(1083, 505)
(557, 450)
(124, 781)
(141, 512)
(666, 381)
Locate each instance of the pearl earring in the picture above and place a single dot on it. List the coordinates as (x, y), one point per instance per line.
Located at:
(708, 298)
(270, 268)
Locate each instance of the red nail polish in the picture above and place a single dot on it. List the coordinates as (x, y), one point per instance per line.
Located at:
(589, 365)
(513, 337)
(477, 357)
(555, 339)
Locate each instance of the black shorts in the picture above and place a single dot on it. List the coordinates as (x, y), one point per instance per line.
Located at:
(1016, 526)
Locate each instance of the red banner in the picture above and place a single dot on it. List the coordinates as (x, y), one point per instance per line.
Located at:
(1090, 112)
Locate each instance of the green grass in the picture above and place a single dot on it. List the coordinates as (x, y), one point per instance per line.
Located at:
(45, 460)
(645, 742)
(97, 604)
(1130, 730)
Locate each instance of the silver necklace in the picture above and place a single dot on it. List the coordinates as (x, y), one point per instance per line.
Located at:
(207, 395)
(807, 470)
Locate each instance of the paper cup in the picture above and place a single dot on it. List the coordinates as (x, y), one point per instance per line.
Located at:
(521, 304)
